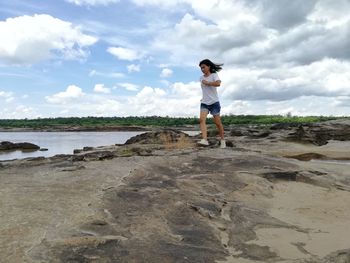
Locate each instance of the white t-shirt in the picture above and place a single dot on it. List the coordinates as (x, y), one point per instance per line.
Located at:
(210, 93)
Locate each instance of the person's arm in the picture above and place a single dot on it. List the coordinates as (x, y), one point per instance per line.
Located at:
(216, 83)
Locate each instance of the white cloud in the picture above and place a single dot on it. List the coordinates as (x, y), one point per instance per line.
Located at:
(186, 35)
(272, 50)
(90, 105)
(227, 14)
(258, 32)
(30, 39)
(92, 73)
(133, 68)
(18, 112)
(326, 78)
(183, 99)
(149, 93)
(187, 90)
(166, 72)
(148, 101)
(8, 100)
(104, 74)
(326, 11)
(165, 82)
(159, 3)
(305, 106)
(205, 39)
(100, 88)
(278, 56)
(154, 101)
(125, 53)
(72, 93)
(237, 107)
(107, 107)
(7, 96)
(10, 109)
(284, 14)
(92, 2)
(129, 86)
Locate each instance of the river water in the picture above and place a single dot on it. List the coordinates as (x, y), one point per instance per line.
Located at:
(61, 142)
(64, 142)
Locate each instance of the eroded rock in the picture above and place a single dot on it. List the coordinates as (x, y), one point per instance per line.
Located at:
(23, 146)
(320, 133)
(148, 202)
(158, 137)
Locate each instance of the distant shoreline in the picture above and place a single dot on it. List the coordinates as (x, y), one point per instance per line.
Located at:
(87, 124)
(146, 123)
(73, 129)
(95, 129)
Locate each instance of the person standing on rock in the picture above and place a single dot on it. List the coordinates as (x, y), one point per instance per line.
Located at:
(210, 100)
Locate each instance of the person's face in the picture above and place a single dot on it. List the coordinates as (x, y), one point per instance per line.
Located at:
(205, 69)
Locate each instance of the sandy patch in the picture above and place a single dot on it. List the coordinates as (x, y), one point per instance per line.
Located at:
(323, 213)
(333, 149)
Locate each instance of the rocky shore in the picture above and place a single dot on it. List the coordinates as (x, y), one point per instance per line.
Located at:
(278, 193)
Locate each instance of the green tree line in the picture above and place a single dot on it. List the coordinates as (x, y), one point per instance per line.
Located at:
(155, 121)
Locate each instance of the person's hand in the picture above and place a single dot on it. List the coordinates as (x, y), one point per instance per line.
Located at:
(205, 82)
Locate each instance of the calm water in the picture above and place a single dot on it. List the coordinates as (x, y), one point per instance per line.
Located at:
(61, 142)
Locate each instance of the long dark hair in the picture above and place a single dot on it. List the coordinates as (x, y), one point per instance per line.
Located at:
(213, 67)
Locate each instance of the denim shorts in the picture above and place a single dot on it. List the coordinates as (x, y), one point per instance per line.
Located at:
(213, 109)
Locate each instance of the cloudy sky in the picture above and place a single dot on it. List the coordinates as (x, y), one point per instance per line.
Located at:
(140, 57)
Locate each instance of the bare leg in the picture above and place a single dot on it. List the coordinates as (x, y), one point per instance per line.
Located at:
(203, 124)
(219, 125)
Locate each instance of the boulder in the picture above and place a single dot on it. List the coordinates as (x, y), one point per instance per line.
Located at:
(27, 146)
(307, 135)
(6, 146)
(320, 133)
(158, 137)
(23, 146)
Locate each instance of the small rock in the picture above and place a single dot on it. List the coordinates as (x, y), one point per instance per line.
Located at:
(76, 151)
(229, 143)
(85, 149)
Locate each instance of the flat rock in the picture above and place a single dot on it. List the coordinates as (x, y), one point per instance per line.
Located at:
(149, 201)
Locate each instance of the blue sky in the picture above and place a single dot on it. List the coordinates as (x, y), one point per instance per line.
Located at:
(140, 57)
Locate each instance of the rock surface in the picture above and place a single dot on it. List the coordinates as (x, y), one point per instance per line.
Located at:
(165, 136)
(160, 198)
(321, 133)
(23, 146)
